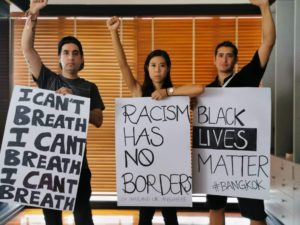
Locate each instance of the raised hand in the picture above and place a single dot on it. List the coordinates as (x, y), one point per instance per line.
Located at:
(113, 23)
(37, 5)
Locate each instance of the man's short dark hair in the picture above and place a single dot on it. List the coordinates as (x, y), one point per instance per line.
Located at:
(68, 40)
(227, 44)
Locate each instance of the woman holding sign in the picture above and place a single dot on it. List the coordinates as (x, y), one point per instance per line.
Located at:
(158, 85)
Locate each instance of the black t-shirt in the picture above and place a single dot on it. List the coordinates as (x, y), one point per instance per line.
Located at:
(249, 76)
(81, 87)
(51, 81)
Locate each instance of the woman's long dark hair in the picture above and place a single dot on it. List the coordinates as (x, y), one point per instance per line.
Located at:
(148, 87)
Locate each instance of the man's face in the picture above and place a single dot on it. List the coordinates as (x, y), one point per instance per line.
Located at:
(225, 60)
(70, 58)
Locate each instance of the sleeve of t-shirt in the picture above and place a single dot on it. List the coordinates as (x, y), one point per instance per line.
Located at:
(252, 73)
(96, 100)
(46, 78)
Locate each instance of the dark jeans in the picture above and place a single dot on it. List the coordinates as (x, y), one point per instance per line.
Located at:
(147, 213)
(252, 209)
(82, 211)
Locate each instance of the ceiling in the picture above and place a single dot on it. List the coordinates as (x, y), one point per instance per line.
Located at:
(143, 7)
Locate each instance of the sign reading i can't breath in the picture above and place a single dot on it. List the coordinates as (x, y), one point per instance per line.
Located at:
(43, 147)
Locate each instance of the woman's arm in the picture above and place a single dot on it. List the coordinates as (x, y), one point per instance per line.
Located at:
(184, 90)
(132, 84)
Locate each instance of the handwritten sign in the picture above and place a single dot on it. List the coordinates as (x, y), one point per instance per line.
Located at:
(153, 152)
(231, 142)
(42, 148)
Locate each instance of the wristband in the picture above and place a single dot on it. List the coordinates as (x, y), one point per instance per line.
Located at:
(32, 16)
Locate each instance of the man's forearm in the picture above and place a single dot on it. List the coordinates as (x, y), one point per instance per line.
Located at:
(29, 52)
(96, 117)
(29, 32)
(268, 26)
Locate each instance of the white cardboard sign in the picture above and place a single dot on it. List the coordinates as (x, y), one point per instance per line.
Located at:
(231, 142)
(153, 152)
(42, 148)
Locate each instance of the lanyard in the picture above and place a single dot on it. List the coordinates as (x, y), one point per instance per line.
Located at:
(227, 82)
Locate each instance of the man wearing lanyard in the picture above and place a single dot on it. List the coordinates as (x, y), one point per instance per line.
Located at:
(249, 76)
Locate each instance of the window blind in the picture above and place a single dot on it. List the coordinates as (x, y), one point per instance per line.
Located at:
(189, 41)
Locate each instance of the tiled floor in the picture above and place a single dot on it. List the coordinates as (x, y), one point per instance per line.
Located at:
(124, 217)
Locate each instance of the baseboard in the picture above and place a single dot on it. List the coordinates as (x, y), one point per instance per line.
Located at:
(272, 220)
(8, 211)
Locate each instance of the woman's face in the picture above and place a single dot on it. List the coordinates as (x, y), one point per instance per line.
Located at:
(158, 69)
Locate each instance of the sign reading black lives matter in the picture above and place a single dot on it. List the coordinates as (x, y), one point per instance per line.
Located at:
(153, 152)
(43, 148)
(231, 142)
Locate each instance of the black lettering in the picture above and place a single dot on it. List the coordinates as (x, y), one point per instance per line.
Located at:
(21, 193)
(28, 159)
(42, 162)
(25, 97)
(54, 163)
(6, 192)
(128, 186)
(71, 183)
(80, 125)
(58, 199)
(78, 104)
(58, 142)
(37, 117)
(159, 142)
(182, 112)
(59, 184)
(21, 118)
(262, 162)
(72, 143)
(50, 100)
(165, 182)
(177, 184)
(201, 161)
(221, 163)
(201, 113)
(35, 99)
(129, 110)
(60, 122)
(47, 200)
(144, 157)
(172, 110)
(62, 104)
(236, 116)
(69, 203)
(9, 172)
(11, 158)
(46, 180)
(19, 132)
(75, 167)
(49, 122)
(39, 139)
(34, 197)
(26, 182)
